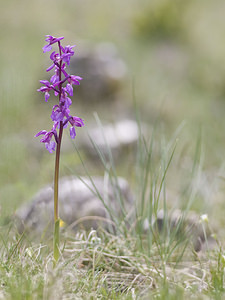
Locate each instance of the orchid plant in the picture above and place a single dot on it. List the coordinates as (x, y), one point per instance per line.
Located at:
(61, 84)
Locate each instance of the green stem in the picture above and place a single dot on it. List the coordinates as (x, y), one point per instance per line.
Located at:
(56, 243)
(56, 178)
(56, 197)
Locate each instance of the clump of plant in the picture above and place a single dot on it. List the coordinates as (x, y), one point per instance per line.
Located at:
(161, 20)
(61, 84)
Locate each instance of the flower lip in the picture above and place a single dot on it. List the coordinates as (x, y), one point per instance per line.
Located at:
(50, 146)
(72, 132)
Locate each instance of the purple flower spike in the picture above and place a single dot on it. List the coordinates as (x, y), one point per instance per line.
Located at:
(62, 85)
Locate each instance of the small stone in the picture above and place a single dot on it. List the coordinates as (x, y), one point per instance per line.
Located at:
(118, 137)
(188, 227)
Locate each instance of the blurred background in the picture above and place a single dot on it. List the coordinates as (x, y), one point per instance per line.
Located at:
(169, 53)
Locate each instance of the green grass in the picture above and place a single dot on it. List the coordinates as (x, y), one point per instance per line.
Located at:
(133, 264)
(104, 266)
(175, 53)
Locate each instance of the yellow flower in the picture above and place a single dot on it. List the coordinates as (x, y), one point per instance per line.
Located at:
(61, 223)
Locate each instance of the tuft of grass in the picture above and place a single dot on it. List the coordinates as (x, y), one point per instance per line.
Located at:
(98, 265)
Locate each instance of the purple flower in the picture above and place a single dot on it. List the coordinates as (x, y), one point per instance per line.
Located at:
(74, 79)
(51, 40)
(47, 135)
(45, 89)
(55, 77)
(69, 89)
(55, 57)
(65, 100)
(59, 113)
(75, 121)
(67, 53)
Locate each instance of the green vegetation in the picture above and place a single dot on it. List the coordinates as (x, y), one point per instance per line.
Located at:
(175, 54)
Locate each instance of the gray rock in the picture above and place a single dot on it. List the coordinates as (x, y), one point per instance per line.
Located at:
(95, 203)
(118, 137)
(188, 227)
(102, 69)
(78, 199)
